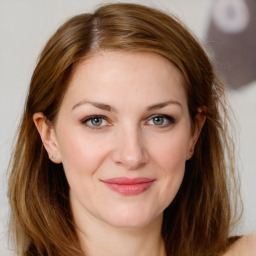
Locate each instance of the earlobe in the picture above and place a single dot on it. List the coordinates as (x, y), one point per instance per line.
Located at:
(48, 137)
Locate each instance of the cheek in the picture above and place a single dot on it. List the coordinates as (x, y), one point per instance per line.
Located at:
(170, 157)
(172, 160)
(81, 154)
(170, 151)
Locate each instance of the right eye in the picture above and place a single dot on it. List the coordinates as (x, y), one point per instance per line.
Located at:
(95, 121)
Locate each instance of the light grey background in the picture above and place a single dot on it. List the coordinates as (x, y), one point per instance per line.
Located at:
(26, 25)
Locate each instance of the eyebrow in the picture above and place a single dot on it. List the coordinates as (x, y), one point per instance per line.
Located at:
(101, 106)
(109, 108)
(163, 104)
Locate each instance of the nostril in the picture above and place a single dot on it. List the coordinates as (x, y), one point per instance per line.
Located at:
(135, 159)
(130, 160)
(129, 150)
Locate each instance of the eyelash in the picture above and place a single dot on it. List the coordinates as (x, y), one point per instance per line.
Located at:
(170, 120)
(90, 118)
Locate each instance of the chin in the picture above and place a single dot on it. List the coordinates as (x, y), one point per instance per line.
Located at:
(132, 219)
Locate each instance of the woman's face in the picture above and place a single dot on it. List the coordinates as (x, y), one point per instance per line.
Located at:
(123, 135)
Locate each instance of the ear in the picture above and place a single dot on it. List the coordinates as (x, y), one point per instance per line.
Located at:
(199, 122)
(48, 136)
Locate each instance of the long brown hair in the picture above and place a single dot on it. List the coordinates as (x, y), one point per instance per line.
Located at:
(198, 221)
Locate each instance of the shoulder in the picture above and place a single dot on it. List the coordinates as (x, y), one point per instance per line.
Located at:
(245, 246)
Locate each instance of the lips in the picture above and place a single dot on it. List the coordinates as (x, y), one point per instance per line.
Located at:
(128, 186)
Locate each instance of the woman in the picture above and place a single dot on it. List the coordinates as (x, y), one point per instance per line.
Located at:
(120, 149)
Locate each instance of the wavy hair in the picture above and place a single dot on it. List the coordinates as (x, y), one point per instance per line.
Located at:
(198, 221)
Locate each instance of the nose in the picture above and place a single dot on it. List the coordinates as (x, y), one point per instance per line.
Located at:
(129, 150)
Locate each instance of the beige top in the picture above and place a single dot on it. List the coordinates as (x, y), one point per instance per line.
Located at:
(245, 246)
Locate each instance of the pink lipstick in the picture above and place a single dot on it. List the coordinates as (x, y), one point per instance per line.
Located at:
(128, 186)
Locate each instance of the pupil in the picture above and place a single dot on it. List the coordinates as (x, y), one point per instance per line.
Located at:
(96, 121)
(158, 120)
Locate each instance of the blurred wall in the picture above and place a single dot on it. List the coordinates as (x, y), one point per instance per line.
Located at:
(26, 25)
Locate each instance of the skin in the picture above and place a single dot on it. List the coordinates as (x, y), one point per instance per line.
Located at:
(244, 246)
(131, 91)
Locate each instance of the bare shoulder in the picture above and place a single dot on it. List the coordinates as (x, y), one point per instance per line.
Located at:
(245, 246)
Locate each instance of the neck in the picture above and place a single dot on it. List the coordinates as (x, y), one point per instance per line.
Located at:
(101, 239)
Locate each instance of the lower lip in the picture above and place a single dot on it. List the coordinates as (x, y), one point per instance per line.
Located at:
(130, 189)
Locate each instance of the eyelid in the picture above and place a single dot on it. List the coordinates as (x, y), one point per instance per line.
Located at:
(88, 118)
(171, 120)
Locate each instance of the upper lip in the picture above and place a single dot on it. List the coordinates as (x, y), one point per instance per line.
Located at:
(128, 181)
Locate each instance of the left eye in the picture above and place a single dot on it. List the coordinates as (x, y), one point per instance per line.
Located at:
(161, 120)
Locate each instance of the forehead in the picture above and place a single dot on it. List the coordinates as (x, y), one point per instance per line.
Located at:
(126, 74)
